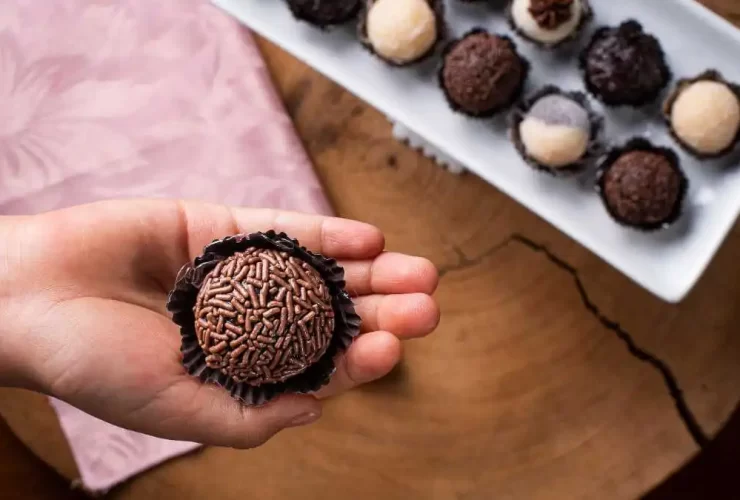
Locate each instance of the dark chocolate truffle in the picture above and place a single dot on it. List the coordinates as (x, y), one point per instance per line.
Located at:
(625, 66)
(325, 12)
(482, 74)
(260, 316)
(643, 186)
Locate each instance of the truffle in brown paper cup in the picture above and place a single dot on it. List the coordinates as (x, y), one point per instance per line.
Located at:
(642, 185)
(324, 13)
(408, 44)
(549, 24)
(702, 105)
(465, 74)
(260, 316)
(567, 116)
(625, 66)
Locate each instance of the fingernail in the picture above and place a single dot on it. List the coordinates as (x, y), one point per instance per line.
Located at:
(304, 419)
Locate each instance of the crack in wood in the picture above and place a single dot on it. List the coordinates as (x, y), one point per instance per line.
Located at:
(669, 378)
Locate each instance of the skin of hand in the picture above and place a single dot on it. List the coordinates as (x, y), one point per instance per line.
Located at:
(83, 319)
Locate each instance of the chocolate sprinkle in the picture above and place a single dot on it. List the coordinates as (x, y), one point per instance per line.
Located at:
(550, 14)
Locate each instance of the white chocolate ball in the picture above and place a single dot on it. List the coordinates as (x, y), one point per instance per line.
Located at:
(554, 146)
(525, 22)
(706, 116)
(556, 131)
(401, 30)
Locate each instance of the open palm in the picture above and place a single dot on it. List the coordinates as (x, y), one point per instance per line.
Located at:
(86, 298)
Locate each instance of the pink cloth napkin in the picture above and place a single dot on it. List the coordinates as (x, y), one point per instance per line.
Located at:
(138, 98)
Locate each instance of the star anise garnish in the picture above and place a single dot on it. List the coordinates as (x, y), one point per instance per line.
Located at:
(550, 14)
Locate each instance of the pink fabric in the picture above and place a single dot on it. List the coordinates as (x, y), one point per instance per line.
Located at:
(138, 98)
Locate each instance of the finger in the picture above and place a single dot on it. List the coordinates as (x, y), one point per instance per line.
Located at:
(391, 273)
(371, 356)
(156, 238)
(213, 417)
(406, 316)
(330, 236)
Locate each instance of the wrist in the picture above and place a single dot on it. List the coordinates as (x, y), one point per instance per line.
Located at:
(13, 369)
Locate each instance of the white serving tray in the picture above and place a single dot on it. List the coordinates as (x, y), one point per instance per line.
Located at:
(667, 264)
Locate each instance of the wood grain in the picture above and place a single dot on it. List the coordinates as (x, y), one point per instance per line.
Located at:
(551, 375)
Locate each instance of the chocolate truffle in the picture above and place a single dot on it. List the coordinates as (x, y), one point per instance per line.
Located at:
(643, 186)
(260, 315)
(402, 31)
(549, 23)
(557, 131)
(625, 66)
(482, 74)
(704, 115)
(324, 13)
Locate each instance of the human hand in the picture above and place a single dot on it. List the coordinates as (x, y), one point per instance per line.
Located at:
(82, 304)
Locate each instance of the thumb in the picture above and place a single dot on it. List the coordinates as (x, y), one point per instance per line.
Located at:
(217, 419)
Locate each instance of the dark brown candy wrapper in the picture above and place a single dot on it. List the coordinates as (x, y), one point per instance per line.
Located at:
(182, 301)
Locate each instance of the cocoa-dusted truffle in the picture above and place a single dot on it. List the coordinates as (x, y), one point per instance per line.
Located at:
(625, 66)
(557, 131)
(549, 23)
(259, 315)
(324, 13)
(482, 74)
(643, 186)
(402, 32)
(704, 115)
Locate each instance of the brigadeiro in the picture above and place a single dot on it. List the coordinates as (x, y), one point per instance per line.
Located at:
(625, 66)
(703, 114)
(323, 13)
(556, 131)
(260, 315)
(482, 74)
(642, 185)
(402, 32)
(549, 23)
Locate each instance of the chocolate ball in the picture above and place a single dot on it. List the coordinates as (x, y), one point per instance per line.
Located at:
(482, 74)
(556, 131)
(643, 188)
(704, 115)
(263, 316)
(401, 31)
(325, 12)
(625, 66)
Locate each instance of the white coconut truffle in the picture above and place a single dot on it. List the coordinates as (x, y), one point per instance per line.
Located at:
(556, 132)
(706, 117)
(401, 31)
(562, 21)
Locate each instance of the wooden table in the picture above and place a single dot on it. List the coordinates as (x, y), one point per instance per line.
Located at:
(551, 375)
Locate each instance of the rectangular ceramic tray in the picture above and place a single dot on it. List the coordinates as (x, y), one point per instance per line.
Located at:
(668, 263)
